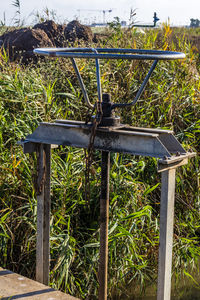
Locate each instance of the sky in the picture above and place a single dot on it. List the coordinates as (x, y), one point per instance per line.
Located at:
(179, 12)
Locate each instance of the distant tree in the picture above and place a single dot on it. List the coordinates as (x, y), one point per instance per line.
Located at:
(194, 23)
(17, 17)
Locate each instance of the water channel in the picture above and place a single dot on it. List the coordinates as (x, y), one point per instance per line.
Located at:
(186, 289)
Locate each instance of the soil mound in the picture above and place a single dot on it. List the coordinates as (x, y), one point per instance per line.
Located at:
(74, 30)
(21, 42)
(26, 39)
(54, 32)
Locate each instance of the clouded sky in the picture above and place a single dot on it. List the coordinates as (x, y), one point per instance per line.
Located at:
(179, 11)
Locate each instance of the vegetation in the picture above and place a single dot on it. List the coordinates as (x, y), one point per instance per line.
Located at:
(194, 23)
(48, 91)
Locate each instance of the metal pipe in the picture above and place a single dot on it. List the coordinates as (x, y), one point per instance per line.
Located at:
(111, 53)
(81, 81)
(117, 56)
(104, 218)
(141, 89)
(98, 76)
(85, 94)
(98, 80)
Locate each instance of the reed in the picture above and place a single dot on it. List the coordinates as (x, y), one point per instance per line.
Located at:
(48, 91)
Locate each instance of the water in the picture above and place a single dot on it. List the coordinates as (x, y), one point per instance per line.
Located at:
(186, 293)
(184, 290)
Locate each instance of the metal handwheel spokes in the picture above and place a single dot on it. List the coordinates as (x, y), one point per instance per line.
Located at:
(110, 53)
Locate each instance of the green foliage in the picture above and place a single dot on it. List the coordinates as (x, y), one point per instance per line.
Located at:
(194, 23)
(17, 17)
(48, 91)
(115, 25)
(45, 15)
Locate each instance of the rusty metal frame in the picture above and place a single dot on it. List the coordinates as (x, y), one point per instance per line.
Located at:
(125, 139)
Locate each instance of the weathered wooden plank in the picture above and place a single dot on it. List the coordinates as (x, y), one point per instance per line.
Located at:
(104, 219)
(166, 234)
(43, 213)
(47, 208)
(14, 286)
(40, 213)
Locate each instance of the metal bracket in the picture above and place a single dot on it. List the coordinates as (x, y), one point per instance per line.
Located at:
(30, 147)
(174, 162)
(125, 139)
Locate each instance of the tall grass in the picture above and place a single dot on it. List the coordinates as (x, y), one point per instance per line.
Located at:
(48, 91)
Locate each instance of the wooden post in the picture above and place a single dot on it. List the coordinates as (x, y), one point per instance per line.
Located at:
(166, 234)
(104, 218)
(43, 213)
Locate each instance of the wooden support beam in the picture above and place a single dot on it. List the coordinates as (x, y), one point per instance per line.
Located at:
(166, 234)
(104, 219)
(43, 213)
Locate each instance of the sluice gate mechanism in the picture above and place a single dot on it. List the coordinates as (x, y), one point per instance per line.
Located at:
(105, 132)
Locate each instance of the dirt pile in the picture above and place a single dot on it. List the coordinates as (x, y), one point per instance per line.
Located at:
(54, 32)
(74, 30)
(20, 43)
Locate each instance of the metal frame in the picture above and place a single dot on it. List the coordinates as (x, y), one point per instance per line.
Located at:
(110, 53)
(112, 138)
(136, 141)
(125, 139)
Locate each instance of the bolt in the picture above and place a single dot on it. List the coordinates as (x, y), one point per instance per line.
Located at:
(106, 97)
